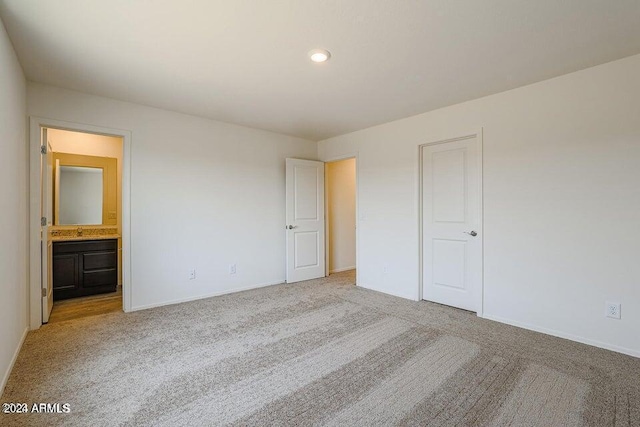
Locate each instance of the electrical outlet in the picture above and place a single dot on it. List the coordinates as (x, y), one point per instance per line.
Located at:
(232, 269)
(613, 310)
(192, 274)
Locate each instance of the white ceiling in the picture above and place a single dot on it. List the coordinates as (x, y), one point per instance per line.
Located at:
(245, 62)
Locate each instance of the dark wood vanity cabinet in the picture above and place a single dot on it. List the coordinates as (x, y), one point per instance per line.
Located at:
(84, 267)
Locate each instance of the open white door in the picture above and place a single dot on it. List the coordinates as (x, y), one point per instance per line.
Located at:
(305, 220)
(46, 172)
(452, 242)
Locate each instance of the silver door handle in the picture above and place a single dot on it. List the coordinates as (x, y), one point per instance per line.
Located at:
(471, 233)
(291, 227)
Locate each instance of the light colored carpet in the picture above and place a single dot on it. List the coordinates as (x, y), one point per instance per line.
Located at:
(322, 352)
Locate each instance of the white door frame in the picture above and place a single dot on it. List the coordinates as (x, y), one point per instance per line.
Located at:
(355, 156)
(35, 292)
(478, 136)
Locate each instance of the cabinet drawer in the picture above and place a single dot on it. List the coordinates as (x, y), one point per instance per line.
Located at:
(100, 278)
(99, 260)
(85, 246)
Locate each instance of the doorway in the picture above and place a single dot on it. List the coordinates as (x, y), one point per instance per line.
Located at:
(80, 226)
(451, 222)
(340, 218)
(85, 224)
(316, 245)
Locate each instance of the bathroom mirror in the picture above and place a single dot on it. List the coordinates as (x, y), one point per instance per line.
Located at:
(80, 195)
(85, 190)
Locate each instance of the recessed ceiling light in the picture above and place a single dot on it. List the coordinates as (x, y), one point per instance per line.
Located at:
(319, 55)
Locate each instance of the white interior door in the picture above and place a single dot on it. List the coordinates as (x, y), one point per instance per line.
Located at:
(452, 242)
(305, 220)
(47, 214)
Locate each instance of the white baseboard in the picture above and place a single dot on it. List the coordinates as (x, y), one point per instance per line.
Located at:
(339, 270)
(576, 338)
(6, 375)
(385, 291)
(214, 294)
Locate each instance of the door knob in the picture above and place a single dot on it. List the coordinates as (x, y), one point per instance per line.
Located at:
(291, 227)
(471, 233)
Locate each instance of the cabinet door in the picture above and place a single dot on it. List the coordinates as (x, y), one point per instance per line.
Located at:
(65, 272)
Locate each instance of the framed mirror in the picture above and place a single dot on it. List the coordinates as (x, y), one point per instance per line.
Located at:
(80, 191)
(85, 190)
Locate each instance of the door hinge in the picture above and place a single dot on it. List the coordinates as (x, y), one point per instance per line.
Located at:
(43, 221)
(44, 292)
(43, 149)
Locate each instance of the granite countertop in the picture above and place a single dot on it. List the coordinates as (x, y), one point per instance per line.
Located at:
(83, 237)
(70, 233)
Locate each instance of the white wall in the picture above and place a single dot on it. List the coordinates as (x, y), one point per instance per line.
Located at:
(561, 201)
(341, 210)
(204, 195)
(14, 199)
